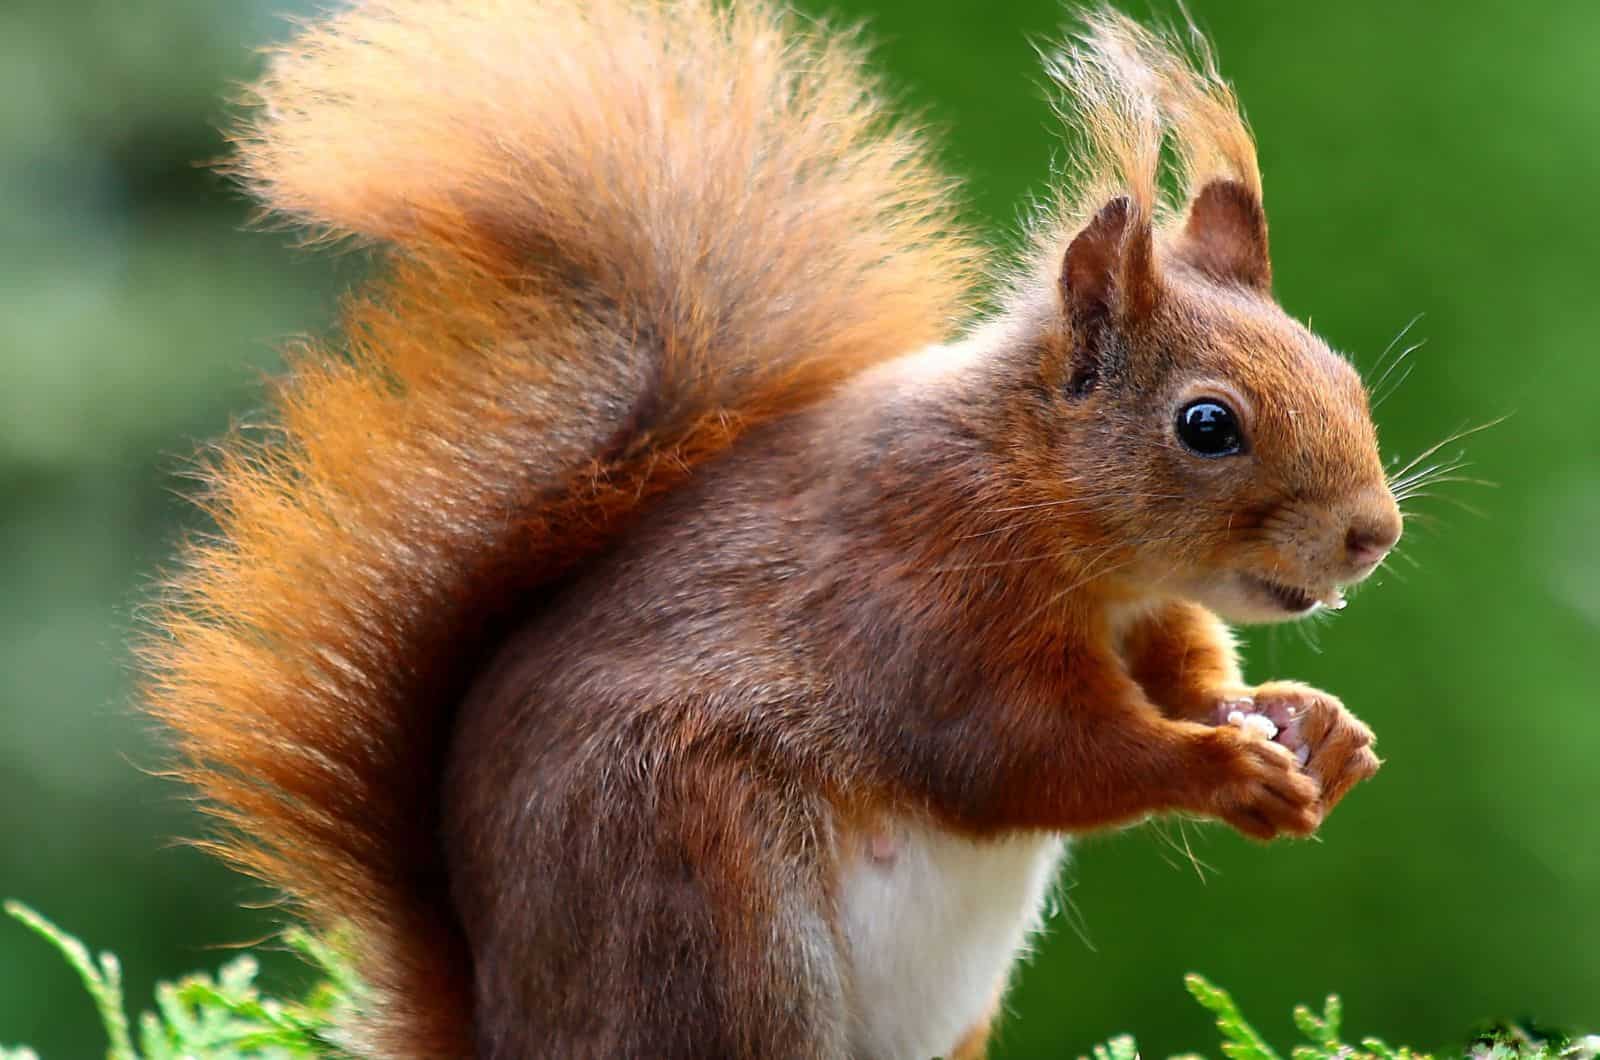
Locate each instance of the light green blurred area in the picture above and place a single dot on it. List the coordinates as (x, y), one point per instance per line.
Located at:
(1427, 159)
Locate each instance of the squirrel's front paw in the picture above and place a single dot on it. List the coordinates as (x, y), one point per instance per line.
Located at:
(1261, 789)
(1333, 745)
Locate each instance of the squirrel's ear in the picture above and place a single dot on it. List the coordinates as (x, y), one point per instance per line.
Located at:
(1226, 235)
(1109, 269)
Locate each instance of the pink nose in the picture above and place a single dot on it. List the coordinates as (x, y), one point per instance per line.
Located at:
(1367, 542)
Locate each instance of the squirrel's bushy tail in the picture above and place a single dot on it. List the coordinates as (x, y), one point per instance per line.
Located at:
(613, 233)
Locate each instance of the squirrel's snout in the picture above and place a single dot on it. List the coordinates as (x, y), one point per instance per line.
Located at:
(1370, 537)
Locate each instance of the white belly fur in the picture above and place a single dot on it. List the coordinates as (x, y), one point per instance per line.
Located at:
(934, 922)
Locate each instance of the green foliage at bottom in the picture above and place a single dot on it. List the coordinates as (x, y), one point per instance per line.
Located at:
(226, 1017)
(202, 1017)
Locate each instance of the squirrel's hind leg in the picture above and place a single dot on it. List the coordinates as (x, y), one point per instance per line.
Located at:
(621, 898)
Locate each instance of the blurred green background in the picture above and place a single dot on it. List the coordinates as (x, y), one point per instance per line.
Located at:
(1419, 158)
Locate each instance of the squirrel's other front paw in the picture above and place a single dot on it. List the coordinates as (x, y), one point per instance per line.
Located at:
(1261, 790)
(1333, 745)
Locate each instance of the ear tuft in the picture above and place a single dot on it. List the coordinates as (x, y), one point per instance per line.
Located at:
(1109, 269)
(1226, 235)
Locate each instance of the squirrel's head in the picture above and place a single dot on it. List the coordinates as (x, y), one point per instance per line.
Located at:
(1222, 442)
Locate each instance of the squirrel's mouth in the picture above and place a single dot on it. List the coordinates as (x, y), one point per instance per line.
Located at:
(1291, 598)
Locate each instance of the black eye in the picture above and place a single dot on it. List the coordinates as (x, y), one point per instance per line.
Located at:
(1209, 428)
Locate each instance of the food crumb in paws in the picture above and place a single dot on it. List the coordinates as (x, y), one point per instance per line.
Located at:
(1259, 723)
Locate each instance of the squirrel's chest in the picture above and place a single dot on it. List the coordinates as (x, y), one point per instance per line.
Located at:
(933, 922)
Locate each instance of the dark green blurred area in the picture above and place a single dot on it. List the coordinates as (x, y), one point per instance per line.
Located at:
(1418, 159)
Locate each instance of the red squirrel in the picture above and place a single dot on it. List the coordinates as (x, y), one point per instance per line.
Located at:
(662, 622)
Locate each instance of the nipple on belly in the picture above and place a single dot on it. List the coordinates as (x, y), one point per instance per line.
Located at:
(882, 848)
